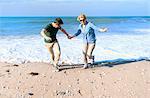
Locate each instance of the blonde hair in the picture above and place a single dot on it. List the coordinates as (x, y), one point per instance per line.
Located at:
(81, 15)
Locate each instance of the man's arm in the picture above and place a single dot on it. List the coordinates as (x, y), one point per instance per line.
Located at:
(64, 31)
(43, 31)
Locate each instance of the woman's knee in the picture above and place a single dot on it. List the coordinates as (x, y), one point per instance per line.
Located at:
(84, 52)
(85, 48)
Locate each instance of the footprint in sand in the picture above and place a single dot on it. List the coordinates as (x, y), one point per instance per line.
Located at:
(34, 73)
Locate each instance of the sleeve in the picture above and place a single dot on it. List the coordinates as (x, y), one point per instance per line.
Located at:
(94, 27)
(78, 32)
(47, 27)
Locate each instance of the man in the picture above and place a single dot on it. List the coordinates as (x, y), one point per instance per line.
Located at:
(49, 34)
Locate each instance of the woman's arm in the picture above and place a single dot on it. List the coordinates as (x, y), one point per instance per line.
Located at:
(99, 29)
(76, 34)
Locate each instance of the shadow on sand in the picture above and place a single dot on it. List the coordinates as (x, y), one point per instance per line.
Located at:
(106, 63)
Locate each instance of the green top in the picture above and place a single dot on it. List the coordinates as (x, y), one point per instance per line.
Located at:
(51, 32)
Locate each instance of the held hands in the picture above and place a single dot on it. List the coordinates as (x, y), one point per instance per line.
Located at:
(70, 37)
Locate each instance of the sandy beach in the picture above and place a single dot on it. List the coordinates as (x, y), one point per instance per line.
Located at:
(37, 80)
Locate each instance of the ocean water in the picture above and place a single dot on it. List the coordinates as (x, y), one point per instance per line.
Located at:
(127, 38)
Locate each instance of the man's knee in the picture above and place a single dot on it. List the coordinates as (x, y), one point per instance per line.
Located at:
(58, 53)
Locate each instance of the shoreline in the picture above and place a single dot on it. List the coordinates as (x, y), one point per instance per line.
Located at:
(37, 80)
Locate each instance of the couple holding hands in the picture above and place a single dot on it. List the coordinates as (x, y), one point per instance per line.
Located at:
(89, 39)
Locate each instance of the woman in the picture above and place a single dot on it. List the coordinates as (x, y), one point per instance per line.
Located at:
(51, 42)
(89, 39)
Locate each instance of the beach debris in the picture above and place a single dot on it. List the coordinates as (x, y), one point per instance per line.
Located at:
(19, 81)
(56, 70)
(115, 82)
(69, 85)
(91, 82)
(8, 70)
(63, 93)
(31, 94)
(79, 91)
(34, 73)
(87, 80)
(101, 76)
(6, 87)
(135, 82)
(147, 82)
(93, 72)
(51, 77)
(143, 70)
(96, 87)
(77, 81)
(63, 62)
(131, 92)
(17, 87)
(103, 73)
(65, 72)
(44, 76)
(31, 87)
(58, 83)
(16, 65)
(20, 74)
(102, 83)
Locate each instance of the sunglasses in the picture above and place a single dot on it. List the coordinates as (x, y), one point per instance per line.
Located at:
(81, 20)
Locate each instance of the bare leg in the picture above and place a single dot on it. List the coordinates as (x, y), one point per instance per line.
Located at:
(57, 53)
(49, 47)
(91, 47)
(85, 48)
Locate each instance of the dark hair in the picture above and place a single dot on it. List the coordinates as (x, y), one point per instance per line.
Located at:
(59, 21)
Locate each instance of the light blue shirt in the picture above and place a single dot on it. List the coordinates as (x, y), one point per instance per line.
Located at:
(88, 32)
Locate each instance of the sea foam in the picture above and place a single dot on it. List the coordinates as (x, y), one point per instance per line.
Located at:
(32, 49)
